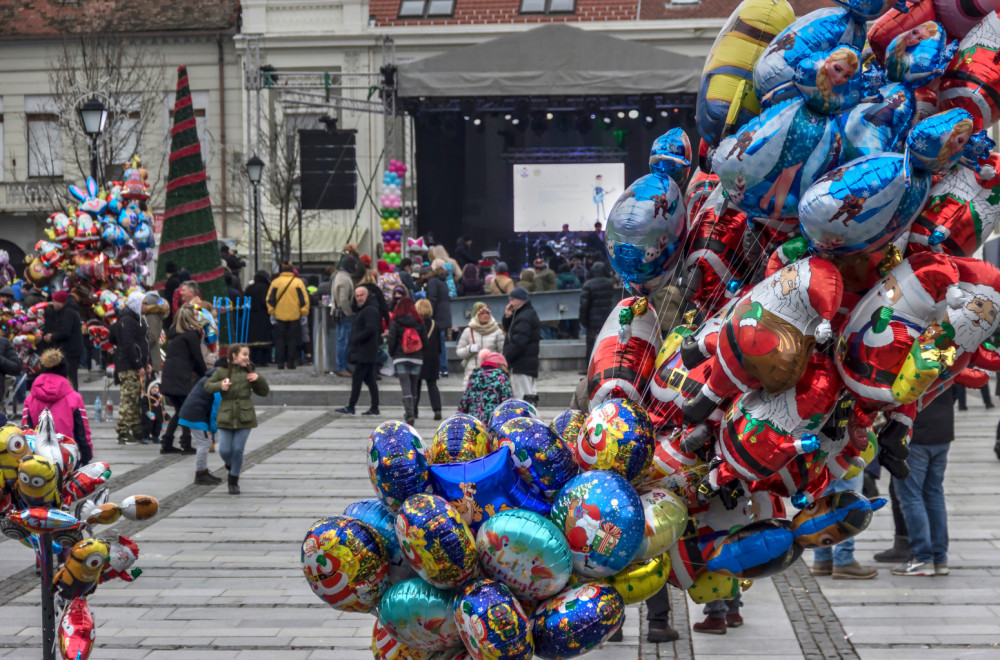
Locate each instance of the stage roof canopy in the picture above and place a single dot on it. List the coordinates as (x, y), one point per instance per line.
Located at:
(552, 60)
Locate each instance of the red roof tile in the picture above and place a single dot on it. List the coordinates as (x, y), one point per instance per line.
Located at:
(51, 18)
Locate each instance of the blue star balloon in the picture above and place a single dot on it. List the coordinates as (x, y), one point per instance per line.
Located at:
(543, 460)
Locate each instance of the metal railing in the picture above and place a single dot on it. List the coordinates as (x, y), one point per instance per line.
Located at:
(25, 196)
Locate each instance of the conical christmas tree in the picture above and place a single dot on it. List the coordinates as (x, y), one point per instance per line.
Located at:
(189, 237)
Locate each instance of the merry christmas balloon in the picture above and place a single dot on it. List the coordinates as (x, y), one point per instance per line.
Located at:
(618, 437)
(641, 580)
(419, 615)
(526, 552)
(543, 460)
(378, 517)
(436, 541)
(458, 438)
(492, 622)
(578, 620)
(510, 409)
(345, 564)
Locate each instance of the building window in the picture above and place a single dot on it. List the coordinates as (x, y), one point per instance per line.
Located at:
(548, 6)
(45, 144)
(426, 8)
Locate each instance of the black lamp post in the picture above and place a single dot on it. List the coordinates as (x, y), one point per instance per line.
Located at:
(94, 118)
(255, 169)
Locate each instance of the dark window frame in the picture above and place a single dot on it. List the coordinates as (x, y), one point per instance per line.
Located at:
(425, 14)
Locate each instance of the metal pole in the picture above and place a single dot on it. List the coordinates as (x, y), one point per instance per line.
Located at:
(299, 212)
(93, 158)
(48, 606)
(256, 230)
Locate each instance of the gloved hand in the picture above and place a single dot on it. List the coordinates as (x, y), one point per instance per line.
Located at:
(474, 348)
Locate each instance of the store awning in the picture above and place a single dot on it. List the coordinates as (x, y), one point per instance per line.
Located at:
(552, 60)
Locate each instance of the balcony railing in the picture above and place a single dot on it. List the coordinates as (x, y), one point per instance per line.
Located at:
(25, 196)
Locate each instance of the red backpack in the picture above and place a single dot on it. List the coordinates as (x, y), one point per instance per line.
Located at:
(411, 341)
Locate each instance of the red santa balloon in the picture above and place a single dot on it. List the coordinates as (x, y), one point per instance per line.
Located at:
(624, 355)
(714, 253)
(972, 81)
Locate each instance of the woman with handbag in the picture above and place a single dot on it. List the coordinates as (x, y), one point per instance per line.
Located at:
(483, 332)
(182, 367)
(406, 347)
(429, 370)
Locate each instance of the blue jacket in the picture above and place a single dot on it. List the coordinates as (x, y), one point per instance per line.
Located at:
(200, 408)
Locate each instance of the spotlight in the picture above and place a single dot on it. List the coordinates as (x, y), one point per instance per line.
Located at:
(477, 121)
(663, 113)
(516, 121)
(606, 120)
(507, 116)
(621, 114)
(548, 115)
(633, 114)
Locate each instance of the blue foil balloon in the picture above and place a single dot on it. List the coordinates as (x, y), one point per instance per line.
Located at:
(757, 550)
(768, 164)
(113, 234)
(646, 229)
(830, 80)
(568, 423)
(670, 156)
(397, 464)
(937, 143)
(375, 514)
(918, 56)
(479, 488)
(420, 616)
(526, 552)
(872, 128)
(815, 32)
(435, 542)
(862, 206)
(143, 236)
(543, 460)
(492, 622)
(577, 621)
(602, 517)
(510, 409)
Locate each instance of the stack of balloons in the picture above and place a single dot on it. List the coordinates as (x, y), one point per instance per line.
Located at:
(98, 248)
(44, 491)
(392, 205)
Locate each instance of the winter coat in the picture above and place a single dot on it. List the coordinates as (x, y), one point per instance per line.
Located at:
(394, 342)
(342, 294)
(201, 408)
(935, 424)
(597, 299)
(154, 315)
(469, 337)
(437, 293)
(184, 363)
(568, 281)
(470, 284)
(527, 281)
(524, 333)
(432, 351)
(69, 414)
(546, 280)
(287, 298)
(128, 336)
(375, 294)
(487, 388)
(10, 363)
(236, 409)
(581, 399)
(366, 333)
(406, 279)
(501, 284)
(259, 331)
(65, 326)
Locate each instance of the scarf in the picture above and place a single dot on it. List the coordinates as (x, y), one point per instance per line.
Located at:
(483, 328)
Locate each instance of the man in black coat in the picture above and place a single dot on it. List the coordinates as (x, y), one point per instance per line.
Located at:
(63, 330)
(597, 298)
(366, 335)
(436, 288)
(128, 336)
(524, 333)
(10, 363)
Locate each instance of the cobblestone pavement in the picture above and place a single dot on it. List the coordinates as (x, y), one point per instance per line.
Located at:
(221, 574)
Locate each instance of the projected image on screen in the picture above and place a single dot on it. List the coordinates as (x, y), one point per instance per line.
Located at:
(547, 196)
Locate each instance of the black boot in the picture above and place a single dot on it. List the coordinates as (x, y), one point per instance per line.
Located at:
(206, 478)
(234, 485)
(408, 410)
(897, 554)
(186, 447)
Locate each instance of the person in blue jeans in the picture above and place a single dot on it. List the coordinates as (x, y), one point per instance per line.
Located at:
(839, 560)
(921, 494)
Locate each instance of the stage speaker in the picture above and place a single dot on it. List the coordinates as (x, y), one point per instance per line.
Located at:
(327, 162)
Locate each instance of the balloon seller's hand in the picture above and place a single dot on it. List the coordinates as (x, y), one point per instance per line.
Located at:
(252, 376)
(225, 384)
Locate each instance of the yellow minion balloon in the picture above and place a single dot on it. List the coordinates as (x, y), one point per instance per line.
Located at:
(82, 569)
(37, 482)
(13, 447)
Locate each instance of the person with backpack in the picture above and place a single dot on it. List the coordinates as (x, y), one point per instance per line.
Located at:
(406, 347)
(287, 302)
(200, 413)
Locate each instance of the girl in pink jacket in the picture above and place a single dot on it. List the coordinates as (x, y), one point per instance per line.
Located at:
(51, 390)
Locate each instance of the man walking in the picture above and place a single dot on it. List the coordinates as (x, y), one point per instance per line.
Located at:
(366, 335)
(523, 328)
(62, 330)
(128, 336)
(287, 301)
(341, 294)
(921, 494)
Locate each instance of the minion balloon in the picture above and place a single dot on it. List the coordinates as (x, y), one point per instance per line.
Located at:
(13, 447)
(38, 482)
(79, 575)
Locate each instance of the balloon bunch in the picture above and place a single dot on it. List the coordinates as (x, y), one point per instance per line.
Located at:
(392, 204)
(43, 491)
(98, 248)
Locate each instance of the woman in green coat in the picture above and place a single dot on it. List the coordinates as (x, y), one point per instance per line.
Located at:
(236, 412)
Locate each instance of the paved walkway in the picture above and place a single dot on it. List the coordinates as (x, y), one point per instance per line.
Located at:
(222, 580)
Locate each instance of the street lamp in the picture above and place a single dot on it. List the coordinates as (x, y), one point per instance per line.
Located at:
(255, 168)
(94, 117)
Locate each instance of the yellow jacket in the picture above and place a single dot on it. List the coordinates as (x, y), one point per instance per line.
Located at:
(287, 298)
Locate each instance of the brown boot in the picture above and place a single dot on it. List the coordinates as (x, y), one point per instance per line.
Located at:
(854, 571)
(711, 626)
(822, 568)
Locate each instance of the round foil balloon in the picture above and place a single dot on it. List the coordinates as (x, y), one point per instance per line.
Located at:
(345, 564)
(641, 580)
(601, 516)
(567, 424)
(420, 616)
(510, 409)
(543, 460)
(375, 514)
(435, 541)
(458, 438)
(618, 437)
(397, 464)
(666, 518)
(577, 621)
(384, 647)
(646, 228)
(670, 156)
(492, 623)
(525, 551)
(710, 586)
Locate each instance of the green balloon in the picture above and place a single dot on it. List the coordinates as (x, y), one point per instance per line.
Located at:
(420, 616)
